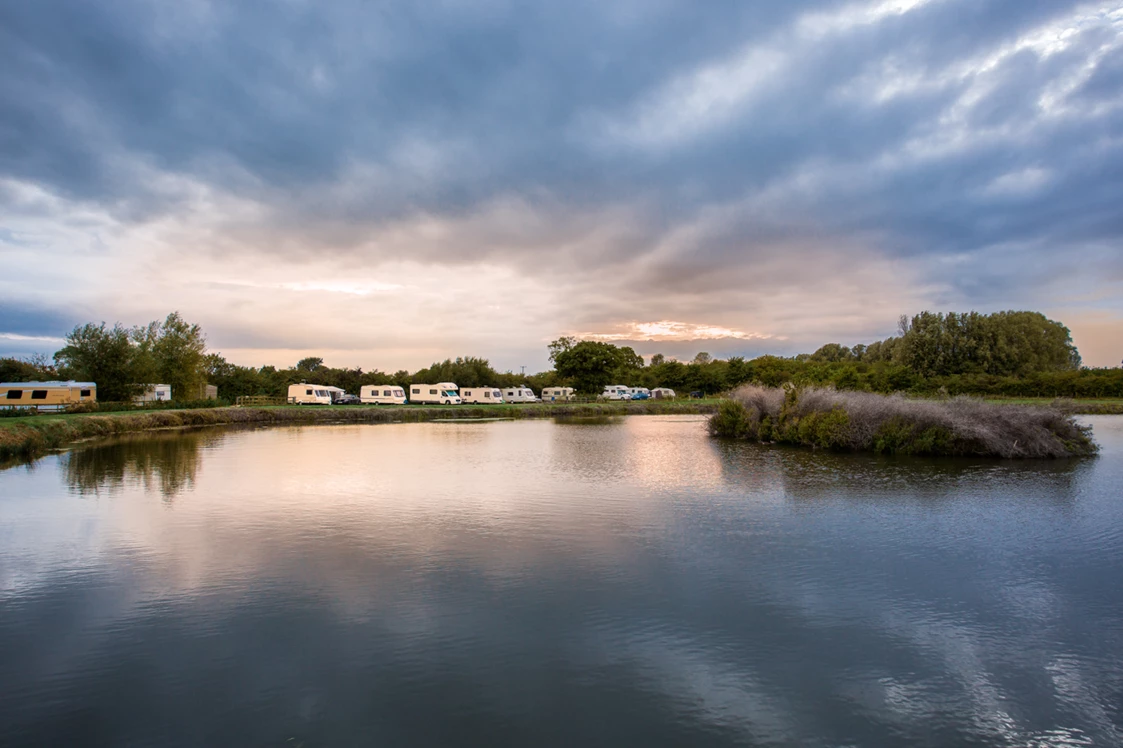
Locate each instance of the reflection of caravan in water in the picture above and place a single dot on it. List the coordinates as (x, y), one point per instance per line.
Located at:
(519, 395)
(383, 394)
(46, 395)
(557, 394)
(309, 394)
(481, 395)
(441, 393)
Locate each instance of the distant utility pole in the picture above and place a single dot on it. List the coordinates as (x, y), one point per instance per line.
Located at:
(524, 370)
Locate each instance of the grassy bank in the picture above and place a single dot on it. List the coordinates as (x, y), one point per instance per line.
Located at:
(1084, 406)
(892, 424)
(28, 437)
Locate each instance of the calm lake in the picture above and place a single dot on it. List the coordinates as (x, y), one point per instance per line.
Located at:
(538, 583)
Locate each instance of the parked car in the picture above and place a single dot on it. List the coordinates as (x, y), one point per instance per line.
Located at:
(346, 399)
(696, 394)
(640, 396)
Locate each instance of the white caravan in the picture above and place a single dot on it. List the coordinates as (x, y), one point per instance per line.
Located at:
(616, 392)
(557, 394)
(663, 393)
(309, 394)
(153, 393)
(382, 394)
(441, 393)
(488, 395)
(519, 395)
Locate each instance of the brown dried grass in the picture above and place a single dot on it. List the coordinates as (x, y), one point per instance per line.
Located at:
(864, 421)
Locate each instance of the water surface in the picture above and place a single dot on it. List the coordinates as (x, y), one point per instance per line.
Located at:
(629, 582)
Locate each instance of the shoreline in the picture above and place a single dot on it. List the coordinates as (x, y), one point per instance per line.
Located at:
(26, 439)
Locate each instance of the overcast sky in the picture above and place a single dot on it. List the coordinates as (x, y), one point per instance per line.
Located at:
(386, 184)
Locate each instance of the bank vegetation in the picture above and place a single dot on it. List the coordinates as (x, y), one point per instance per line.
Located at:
(826, 418)
(30, 437)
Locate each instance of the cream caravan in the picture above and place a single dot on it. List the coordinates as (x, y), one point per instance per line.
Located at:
(519, 395)
(489, 395)
(616, 392)
(383, 394)
(154, 392)
(46, 395)
(309, 394)
(663, 393)
(441, 393)
(557, 394)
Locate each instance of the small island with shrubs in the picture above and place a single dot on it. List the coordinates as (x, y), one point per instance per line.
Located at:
(825, 418)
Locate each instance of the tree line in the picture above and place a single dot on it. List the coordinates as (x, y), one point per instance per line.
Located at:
(123, 360)
(1014, 354)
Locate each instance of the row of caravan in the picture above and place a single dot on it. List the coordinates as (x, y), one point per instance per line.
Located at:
(620, 392)
(442, 393)
(448, 393)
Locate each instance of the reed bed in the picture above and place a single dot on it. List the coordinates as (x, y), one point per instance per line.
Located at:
(823, 417)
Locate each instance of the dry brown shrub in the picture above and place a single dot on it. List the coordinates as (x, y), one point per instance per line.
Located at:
(976, 427)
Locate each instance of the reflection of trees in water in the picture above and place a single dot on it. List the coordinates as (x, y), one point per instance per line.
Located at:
(816, 474)
(167, 462)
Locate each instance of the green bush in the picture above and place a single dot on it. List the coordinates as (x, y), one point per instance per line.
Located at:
(733, 420)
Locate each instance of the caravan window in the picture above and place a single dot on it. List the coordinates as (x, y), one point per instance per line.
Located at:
(417, 390)
(386, 393)
(308, 392)
(432, 392)
(487, 394)
(15, 394)
(38, 394)
(84, 393)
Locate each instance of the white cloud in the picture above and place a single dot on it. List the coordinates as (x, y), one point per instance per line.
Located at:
(669, 330)
(31, 338)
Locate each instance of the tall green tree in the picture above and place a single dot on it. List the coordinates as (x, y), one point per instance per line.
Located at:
(591, 365)
(178, 356)
(561, 345)
(36, 368)
(107, 356)
(832, 353)
(1001, 344)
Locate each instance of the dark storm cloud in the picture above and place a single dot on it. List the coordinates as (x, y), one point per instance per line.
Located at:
(690, 150)
(35, 321)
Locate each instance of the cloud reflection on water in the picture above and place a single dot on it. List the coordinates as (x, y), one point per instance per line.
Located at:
(719, 592)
